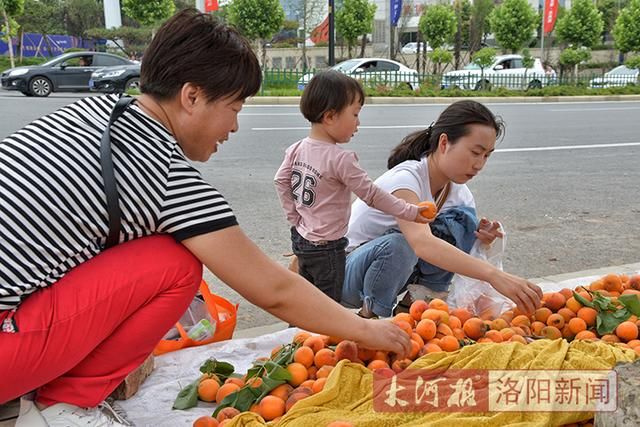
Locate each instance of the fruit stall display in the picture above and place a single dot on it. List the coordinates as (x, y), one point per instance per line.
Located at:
(608, 310)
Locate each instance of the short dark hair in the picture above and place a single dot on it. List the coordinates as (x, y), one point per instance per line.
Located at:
(193, 47)
(454, 121)
(329, 91)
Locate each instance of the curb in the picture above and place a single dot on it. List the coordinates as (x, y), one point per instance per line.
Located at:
(295, 100)
(620, 269)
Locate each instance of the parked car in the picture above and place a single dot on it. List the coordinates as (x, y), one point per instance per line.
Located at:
(619, 76)
(373, 71)
(506, 71)
(67, 72)
(117, 79)
(412, 47)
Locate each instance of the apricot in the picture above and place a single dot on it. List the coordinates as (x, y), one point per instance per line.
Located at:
(365, 354)
(325, 356)
(315, 342)
(417, 308)
(551, 332)
(521, 320)
(299, 373)
(462, 314)
(207, 390)
(577, 325)
(554, 300)
(494, 335)
(378, 364)
(627, 331)
(205, 421)
(300, 337)
(406, 327)
(430, 210)
(347, 350)
(304, 355)
(225, 390)
(518, 338)
(282, 391)
(426, 328)
(474, 328)
(438, 304)
(585, 335)
(566, 314)
(318, 385)
(271, 407)
(589, 315)
(449, 343)
(405, 317)
(340, 424)
(324, 371)
(499, 324)
(227, 414)
(573, 305)
(556, 320)
(542, 314)
(612, 283)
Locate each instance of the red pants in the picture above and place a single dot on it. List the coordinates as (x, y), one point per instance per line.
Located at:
(79, 338)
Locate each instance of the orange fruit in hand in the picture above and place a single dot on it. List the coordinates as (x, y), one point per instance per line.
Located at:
(431, 210)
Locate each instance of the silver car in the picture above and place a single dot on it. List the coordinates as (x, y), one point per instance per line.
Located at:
(373, 71)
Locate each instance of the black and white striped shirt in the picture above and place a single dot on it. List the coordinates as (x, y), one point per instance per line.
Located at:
(53, 211)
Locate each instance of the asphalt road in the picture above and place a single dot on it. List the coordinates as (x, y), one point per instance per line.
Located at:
(564, 180)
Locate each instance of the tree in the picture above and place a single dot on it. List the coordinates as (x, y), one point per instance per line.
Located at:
(257, 19)
(440, 56)
(9, 9)
(462, 9)
(43, 17)
(438, 25)
(527, 62)
(609, 12)
(148, 12)
(355, 19)
(479, 25)
(310, 13)
(626, 32)
(80, 15)
(135, 39)
(633, 62)
(572, 57)
(581, 25)
(483, 59)
(513, 24)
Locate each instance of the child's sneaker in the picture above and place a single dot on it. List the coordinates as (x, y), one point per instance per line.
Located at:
(66, 415)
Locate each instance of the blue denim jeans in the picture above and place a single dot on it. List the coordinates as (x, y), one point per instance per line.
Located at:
(321, 264)
(378, 271)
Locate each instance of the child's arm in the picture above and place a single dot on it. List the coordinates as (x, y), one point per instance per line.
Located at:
(357, 180)
(282, 181)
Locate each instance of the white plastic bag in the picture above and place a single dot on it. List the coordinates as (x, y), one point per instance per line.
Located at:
(479, 297)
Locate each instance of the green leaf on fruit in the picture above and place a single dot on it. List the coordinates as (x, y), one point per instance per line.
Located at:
(222, 369)
(631, 302)
(187, 397)
(607, 322)
(582, 300)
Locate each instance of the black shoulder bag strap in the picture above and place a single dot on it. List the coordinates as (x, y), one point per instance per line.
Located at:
(106, 163)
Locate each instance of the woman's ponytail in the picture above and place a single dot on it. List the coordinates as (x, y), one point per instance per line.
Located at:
(414, 146)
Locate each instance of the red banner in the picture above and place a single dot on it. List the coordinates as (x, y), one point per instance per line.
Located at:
(212, 5)
(550, 14)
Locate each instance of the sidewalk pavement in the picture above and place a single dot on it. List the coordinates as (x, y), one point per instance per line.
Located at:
(9, 411)
(295, 100)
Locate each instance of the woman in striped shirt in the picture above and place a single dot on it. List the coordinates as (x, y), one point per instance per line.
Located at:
(77, 318)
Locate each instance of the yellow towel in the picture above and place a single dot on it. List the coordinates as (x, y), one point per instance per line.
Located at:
(348, 393)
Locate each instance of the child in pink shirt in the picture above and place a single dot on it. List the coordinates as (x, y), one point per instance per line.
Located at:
(316, 179)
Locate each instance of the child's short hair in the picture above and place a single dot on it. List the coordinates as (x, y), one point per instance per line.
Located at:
(329, 91)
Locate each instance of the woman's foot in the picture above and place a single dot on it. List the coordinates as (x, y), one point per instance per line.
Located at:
(367, 310)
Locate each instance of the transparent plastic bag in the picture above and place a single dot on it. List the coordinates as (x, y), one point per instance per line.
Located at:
(196, 312)
(479, 297)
